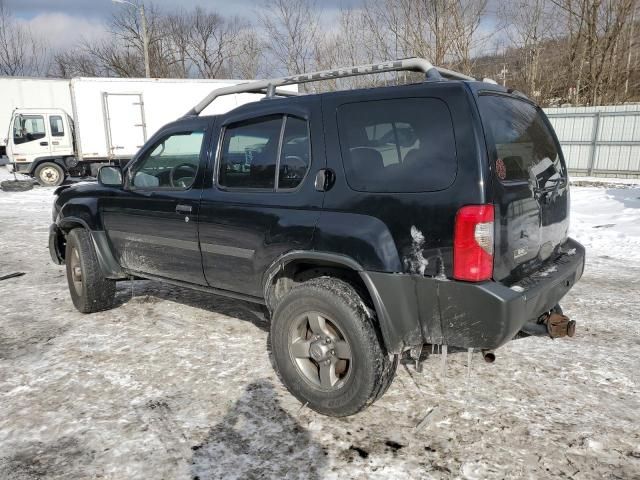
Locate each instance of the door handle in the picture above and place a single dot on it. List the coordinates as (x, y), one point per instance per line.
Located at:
(55, 143)
(44, 144)
(325, 179)
(183, 208)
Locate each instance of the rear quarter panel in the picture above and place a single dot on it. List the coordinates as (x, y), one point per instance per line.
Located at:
(402, 232)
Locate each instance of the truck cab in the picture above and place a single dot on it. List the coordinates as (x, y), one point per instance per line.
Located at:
(39, 142)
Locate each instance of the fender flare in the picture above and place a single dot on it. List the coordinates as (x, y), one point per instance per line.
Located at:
(109, 266)
(384, 319)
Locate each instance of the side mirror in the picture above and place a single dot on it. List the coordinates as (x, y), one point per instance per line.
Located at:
(110, 176)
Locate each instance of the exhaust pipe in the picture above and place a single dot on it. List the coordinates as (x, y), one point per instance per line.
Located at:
(489, 356)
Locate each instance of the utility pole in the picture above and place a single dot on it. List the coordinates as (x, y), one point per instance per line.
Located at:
(145, 39)
(626, 82)
(503, 74)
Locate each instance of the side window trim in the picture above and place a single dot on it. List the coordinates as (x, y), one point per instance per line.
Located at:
(283, 125)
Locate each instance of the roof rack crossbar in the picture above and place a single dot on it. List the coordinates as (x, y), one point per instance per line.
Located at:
(260, 86)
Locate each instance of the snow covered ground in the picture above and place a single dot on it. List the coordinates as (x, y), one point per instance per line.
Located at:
(178, 384)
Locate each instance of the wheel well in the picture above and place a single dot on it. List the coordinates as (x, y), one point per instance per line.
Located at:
(299, 271)
(39, 161)
(61, 237)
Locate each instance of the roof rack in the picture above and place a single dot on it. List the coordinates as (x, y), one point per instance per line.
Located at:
(269, 86)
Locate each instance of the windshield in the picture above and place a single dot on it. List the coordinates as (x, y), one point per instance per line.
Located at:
(524, 147)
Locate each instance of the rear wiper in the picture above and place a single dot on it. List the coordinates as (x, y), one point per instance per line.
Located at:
(557, 183)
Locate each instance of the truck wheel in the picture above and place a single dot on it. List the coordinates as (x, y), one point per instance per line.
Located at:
(49, 174)
(326, 349)
(90, 291)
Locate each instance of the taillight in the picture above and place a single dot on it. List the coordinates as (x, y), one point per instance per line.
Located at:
(473, 243)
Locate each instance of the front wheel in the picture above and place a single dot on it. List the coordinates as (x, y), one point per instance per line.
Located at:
(90, 290)
(49, 174)
(326, 349)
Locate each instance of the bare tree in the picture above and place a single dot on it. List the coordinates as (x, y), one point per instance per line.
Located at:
(292, 31)
(248, 59)
(74, 63)
(21, 52)
(529, 25)
(211, 42)
(466, 16)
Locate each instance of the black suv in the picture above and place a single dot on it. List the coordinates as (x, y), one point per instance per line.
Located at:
(368, 222)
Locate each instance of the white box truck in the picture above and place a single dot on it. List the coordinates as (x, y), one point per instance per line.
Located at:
(102, 120)
(25, 92)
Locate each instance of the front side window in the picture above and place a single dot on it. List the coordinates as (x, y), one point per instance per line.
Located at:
(28, 128)
(249, 153)
(172, 163)
(57, 128)
(400, 145)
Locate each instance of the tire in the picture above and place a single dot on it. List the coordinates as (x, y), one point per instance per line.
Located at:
(90, 291)
(49, 174)
(359, 372)
(16, 185)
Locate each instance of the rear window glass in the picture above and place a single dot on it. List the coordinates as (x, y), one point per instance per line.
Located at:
(402, 145)
(524, 146)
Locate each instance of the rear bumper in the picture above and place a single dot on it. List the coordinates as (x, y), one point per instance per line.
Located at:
(485, 315)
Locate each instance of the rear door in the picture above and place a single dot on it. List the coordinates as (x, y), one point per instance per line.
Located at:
(263, 202)
(530, 184)
(125, 123)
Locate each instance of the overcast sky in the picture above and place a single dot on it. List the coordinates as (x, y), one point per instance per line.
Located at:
(64, 22)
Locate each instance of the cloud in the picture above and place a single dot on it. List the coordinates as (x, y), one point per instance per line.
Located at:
(60, 31)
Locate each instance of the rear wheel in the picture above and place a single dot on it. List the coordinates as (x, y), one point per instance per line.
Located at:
(326, 348)
(49, 174)
(90, 290)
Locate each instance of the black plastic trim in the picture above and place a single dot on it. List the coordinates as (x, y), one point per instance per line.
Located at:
(202, 288)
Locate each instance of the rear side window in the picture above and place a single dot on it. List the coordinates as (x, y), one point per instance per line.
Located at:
(57, 127)
(254, 151)
(401, 145)
(524, 146)
(295, 155)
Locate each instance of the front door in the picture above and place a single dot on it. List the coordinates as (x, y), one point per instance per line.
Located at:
(30, 138)
(152, 224)
(263, 202)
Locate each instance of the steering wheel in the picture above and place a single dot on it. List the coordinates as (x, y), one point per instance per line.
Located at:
(293, 163)
(186, 167)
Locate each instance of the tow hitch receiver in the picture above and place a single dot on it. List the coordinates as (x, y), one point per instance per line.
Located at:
(559, 325)
(555, 325)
